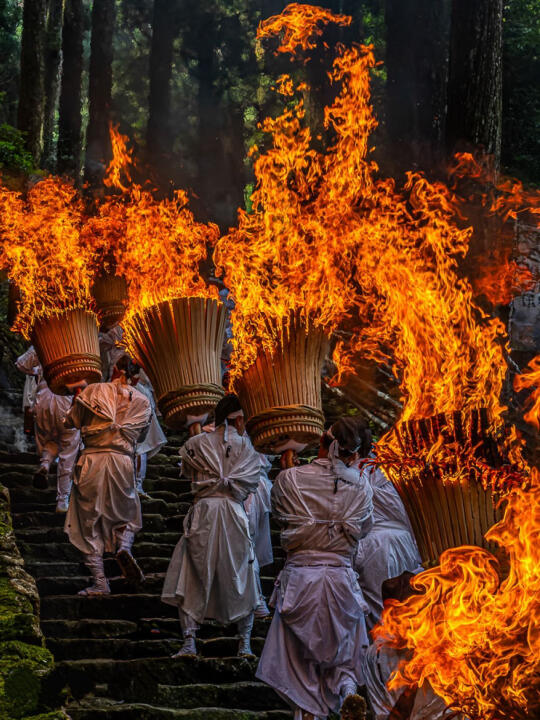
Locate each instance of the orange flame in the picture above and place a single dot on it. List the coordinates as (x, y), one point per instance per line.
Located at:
(299, 25)
(472, 633)
(531, 379)
(156, 244)
(42, 252)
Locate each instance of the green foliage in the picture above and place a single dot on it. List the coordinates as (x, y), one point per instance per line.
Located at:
(10, 33)
(13, 153)
(521, 89)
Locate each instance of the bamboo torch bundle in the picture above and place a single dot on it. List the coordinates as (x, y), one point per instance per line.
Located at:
(110, 295)
(68, 348)
(281, 391)
(447, 502)
(179, 342)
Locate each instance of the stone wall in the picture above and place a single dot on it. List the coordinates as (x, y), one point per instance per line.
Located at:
(24, 661)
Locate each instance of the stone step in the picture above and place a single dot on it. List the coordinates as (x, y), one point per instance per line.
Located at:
(89, 628)
(166, 628)
(127, 649)
(48, 519)
(70, 585)
(126, 607)
(37, 512)
(160, 536)
(249, 695)
(40, 569)
(64, 551)
(138, 680)
(141, 711)
(46, 498)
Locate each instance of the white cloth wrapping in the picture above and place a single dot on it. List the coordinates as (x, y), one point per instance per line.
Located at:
(28, 363)
(104, 501)
(389, 548)
(258, 507)
(53, 439)
(314, 647)
(211, 575)
(110, 350)
(380, 661)
(155, 437)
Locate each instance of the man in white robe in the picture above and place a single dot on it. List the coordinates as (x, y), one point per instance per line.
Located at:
(389, 548)
(313, 652)
(105, 511)
(53, 439)
(212, 575)
(381, 661)
(258, 507)
(110, 350)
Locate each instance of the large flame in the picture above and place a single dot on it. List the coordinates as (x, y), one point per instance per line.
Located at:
(42, 252)
(530, 379)
(156, 244)
(474, 632)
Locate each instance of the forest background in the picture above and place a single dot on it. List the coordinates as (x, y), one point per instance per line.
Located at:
(186, 81)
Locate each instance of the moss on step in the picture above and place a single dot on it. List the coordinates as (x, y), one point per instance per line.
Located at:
(24, 661)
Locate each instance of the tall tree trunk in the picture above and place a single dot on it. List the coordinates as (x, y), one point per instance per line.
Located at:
(69, 114)
(417, 47)
(158, 133)
(31, 98)
(98, 145)
(475, 85)
(53, 60)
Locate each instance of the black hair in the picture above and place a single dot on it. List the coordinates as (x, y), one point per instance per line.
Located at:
(227, 405)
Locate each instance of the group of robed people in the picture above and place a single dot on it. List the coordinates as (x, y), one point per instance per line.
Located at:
(342, 526)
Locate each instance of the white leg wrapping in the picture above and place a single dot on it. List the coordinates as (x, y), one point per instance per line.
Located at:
(189, 633)
(245, 626)
(100, 585)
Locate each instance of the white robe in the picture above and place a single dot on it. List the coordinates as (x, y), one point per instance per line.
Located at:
(28, 363)
(53, 439)
(110, 350)
(380, 661)
(389, 548)
(104, 501)
(315, 644)
(211, 575)
(258, 507)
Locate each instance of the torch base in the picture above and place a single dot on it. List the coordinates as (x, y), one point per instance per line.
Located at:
(273, 429)
(188, 400)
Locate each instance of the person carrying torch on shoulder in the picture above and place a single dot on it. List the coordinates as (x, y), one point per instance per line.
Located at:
(105, 512)
(212, 573)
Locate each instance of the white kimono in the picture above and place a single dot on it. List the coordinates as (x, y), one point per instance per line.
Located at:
(211, 575)
(389, 548)
(380, 662)
(317, 638)
(258, 507)
(155, 437)
(110, 350)
(53, 439)
(104, 501)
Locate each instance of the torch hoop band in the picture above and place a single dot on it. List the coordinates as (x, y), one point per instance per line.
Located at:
(273, 427)
(110, 295)
(68, 348)
(179, 343)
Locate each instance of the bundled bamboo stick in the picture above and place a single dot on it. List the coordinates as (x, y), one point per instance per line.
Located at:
(178, 343)
(281, 391)
(446, 501)
(111, 298)
(68, 348)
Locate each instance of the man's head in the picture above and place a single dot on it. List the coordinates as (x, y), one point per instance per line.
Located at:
(353, 438)
(229, 408)
(126, 370)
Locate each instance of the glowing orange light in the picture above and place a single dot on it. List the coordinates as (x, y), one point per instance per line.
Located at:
(530, 378)
(41, 250)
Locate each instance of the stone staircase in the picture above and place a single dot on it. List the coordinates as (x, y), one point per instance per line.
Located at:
(113, 653)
